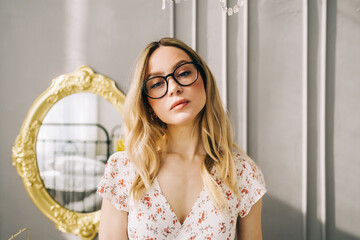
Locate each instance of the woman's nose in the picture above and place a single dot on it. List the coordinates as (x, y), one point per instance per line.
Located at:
(173, 86)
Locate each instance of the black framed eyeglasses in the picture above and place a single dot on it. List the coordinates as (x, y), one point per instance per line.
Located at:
(184, 75)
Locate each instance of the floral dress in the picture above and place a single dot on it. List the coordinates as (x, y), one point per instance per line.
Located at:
(155, 219)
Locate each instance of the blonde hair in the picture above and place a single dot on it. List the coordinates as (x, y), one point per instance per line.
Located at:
(146, 137)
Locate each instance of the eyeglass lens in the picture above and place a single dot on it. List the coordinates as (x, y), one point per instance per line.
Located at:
(185, 75)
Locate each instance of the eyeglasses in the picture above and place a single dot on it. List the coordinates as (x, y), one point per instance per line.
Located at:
(184, 75)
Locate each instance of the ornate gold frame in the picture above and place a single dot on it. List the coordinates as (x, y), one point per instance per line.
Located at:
(85, 225)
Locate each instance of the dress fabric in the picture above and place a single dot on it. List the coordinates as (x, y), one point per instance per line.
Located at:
(154, 217)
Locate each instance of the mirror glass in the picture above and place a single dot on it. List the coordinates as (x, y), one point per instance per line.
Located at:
(77, 136)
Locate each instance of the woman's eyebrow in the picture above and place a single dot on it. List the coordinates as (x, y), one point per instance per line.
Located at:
(179, 63)
(153, 74)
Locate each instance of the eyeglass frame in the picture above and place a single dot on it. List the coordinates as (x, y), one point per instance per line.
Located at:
(143, 88)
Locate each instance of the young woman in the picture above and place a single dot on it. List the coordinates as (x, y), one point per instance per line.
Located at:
(180, 177)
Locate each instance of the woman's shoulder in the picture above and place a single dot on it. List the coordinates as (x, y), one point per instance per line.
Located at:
(119, 158)
(119, 163)
(250, 181)
(247, 170)
(117, 180)
(243, 161)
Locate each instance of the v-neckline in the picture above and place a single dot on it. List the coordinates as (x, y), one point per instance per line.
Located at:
(172, 210)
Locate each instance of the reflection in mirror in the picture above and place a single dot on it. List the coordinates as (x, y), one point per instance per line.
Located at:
(77, 136)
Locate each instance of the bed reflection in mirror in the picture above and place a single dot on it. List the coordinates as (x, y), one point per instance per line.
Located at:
(77, 136)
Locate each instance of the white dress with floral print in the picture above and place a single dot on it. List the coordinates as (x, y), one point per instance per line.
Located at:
(154, 218)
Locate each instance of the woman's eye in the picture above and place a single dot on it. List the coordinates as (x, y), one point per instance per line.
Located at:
(184, 74)
(156, 85)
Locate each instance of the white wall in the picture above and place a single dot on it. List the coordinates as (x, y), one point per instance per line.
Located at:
(287, 71)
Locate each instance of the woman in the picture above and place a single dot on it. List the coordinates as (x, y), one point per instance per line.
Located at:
(179, 177)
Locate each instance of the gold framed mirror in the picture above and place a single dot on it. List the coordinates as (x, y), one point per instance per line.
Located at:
(25, 150)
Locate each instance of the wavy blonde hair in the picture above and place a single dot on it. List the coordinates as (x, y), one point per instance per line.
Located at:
(146, 137)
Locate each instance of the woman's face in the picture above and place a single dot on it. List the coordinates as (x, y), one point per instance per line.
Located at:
(181, 104)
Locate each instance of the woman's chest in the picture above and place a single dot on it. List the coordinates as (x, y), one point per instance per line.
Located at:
(154, 217)
(180, 192)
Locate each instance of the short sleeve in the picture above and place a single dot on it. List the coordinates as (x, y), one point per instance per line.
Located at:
(117, 180)
(251, 184)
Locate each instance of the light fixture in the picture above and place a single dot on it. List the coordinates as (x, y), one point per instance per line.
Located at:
(229, 10)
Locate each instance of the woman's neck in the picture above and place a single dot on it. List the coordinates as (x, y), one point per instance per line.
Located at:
(185, 141)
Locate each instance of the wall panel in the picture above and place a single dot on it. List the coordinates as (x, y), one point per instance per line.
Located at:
(237, 78)
(184, 22)
(210, 42)
(343, 120)
(275, 111)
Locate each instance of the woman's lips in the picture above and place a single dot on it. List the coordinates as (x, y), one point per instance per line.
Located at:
(179, 104)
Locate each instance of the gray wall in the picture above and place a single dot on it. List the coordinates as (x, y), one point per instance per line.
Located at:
(287, 71)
